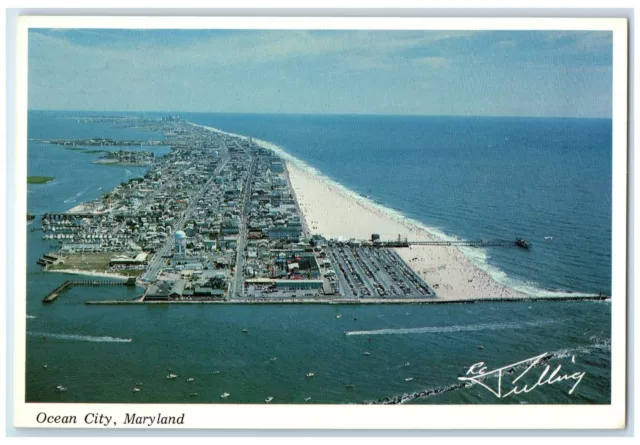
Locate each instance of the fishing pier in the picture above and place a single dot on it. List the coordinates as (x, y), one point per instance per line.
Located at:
(470, 243)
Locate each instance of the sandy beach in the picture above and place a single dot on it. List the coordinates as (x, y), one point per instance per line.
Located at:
(91, 273)
(333, 212)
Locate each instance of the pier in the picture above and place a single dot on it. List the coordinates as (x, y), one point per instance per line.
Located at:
(71, 283)
(470, 243)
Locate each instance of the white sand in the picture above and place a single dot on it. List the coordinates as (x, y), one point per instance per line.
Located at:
(91, 273)
(333, 212)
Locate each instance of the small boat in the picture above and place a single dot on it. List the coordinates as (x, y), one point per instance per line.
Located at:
(193, 394)
(366, 353)
(136, 390)
(349, 386)
(139, 384)
(190, 379)
(408, 379)
(61, 388)
(338, 316)
(225, 395)
(522, 243)
(273, 359)
(310, 374)
(268, 399)
(172, 376)
(407, 364)
(245, 330)
(480, 347)
(548, 238)
(307, 399)
(44, 366)
(216, 372)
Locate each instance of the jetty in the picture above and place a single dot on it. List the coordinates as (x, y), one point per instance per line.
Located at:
(51, 296)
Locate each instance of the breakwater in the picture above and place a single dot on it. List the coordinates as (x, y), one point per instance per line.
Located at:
(292, 301)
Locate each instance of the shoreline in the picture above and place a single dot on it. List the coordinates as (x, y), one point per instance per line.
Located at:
(332, 210)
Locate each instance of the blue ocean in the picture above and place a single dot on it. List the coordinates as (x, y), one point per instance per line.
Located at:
(545, 180)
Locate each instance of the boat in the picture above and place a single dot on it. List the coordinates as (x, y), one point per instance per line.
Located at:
(225, 395)
(408, 379)
(307, 399)
(44, 366)
(216, 372)
(549, 238)
(268, 399)
(338, 316)
(136, 390)
(310, 374)
(480, 347)
(139, 384)
(245, 330)
(172, 376)
(366, 353)
(193, 394)
(407, 364)
(349, 386)
(273, 359)
(522, 243)
(190, 379)
(61, 388)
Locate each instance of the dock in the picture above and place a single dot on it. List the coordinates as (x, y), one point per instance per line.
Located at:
(51, 296)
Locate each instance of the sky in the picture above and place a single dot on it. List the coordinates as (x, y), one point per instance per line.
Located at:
(477, 73)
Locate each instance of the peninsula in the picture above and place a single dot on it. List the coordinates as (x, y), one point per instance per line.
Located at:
(226, 218)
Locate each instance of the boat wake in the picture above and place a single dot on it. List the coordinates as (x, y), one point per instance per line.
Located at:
(31, 316)
(602, 345)
(80, 337)
(69, 200)
(453, 328)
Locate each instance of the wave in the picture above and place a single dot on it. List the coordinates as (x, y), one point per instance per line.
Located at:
(604, 345)
(80, 337)
(478, 256)
(453, 328)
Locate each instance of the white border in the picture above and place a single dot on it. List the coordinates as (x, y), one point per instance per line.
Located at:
(345, 416)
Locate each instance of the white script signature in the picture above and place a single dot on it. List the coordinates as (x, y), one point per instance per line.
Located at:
(478, 372)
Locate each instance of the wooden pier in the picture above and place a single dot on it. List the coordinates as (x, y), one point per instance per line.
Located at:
(71, 283)
(476, 243)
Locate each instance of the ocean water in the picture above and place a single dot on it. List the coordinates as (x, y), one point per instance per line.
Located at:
(465, 177)
(472, 178)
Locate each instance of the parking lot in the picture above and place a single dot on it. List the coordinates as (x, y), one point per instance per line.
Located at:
(375, 272)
